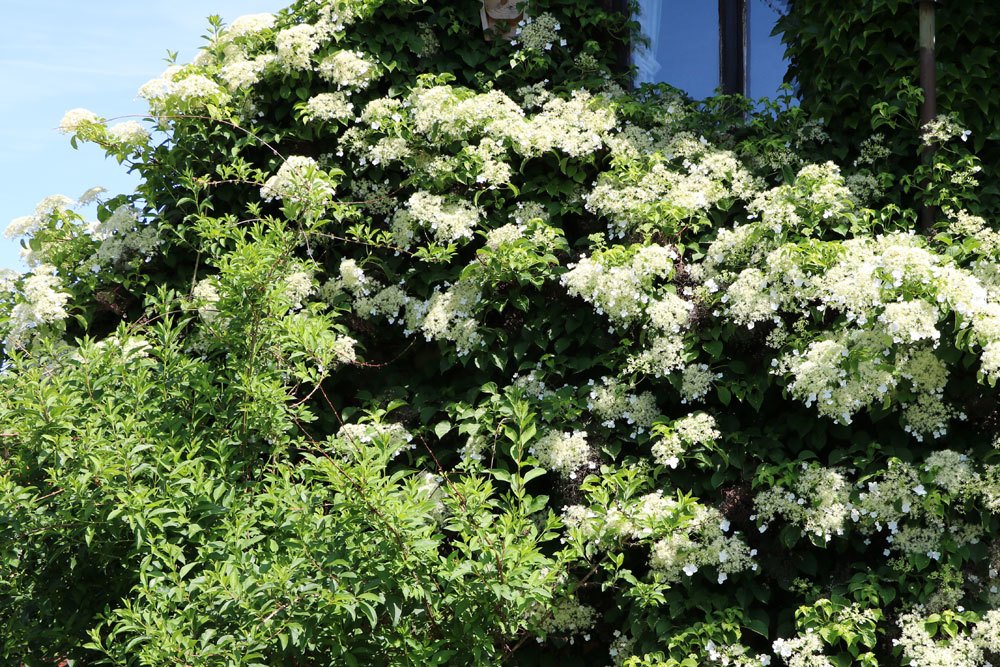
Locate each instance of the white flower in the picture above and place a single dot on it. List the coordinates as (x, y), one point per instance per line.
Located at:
(128, 133)
(299, 180)
(347, 69)
(296, 45)
(77, 119)
(329, 106)
(562, 452)
(250, 24)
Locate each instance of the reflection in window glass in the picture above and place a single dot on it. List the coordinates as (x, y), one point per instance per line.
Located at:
(683, 45)
(767, 53)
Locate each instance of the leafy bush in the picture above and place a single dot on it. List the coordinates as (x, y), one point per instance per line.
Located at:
(415, 348)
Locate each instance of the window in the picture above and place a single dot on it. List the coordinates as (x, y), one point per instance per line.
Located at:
(704, 45)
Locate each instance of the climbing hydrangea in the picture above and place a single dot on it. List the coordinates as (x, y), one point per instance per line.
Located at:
(468, 352)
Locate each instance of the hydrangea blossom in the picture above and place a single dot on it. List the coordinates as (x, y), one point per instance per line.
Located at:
(698, 428)
(244, 73)
(347, 69)
(130, 133)
(250, 24)
(622, 288)
(819, 502)
(78, 120)
(702, 543)
(181, 91)
(296, 45)
(329, 107)
(42, 301)
(299, 180)
(448, 220)
(29, 224)
(565, 453)
(123, 236)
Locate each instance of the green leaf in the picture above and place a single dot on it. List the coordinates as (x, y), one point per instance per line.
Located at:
(442, 428)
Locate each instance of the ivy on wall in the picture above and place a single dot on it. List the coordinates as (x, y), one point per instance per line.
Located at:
(847, 59)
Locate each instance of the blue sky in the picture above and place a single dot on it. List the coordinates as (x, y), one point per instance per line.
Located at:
(61, 54)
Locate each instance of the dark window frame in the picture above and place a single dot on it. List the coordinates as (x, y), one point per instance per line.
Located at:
(734, 24)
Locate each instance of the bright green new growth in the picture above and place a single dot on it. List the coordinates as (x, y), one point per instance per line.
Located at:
(415, 348)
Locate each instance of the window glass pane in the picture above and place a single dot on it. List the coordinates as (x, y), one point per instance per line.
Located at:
(767, 53)
(683, 45)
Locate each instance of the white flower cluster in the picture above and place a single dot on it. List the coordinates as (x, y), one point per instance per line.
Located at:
(921, 649)
(611, 402)
(300, 180)
(386, 302)
(329, 107)
(818, 195)
(576, 126)
(539, 34)
(649, 517)
(892, 295)
(504, 235)
(967, 227)
(241, 73)
(122, 236)
(296, 45)
(441, 115)
(620, 284)
(820, 376)
(818, 502)
(429, 44)
(249, 24)
(564, 453)
(643, 189)
(391, 439)
(431, 487)
(695, 429)
(8, 281)
(128, 134)
(567, 617)
(180, 90)
(371, 298)
(79, 120)
(298, 286)
(493, 170)
(526, 211)
(824, 503)
(625, 286)
(448, 315)
(734, 655)
(702, 543)
(532, 384)
(448, 220)
(685, 537)
(205, 295)
(42, 301)
(696, 381)
(44, 210)
(943, 129)
(660, 357)
(805, 650)
(347, 69)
